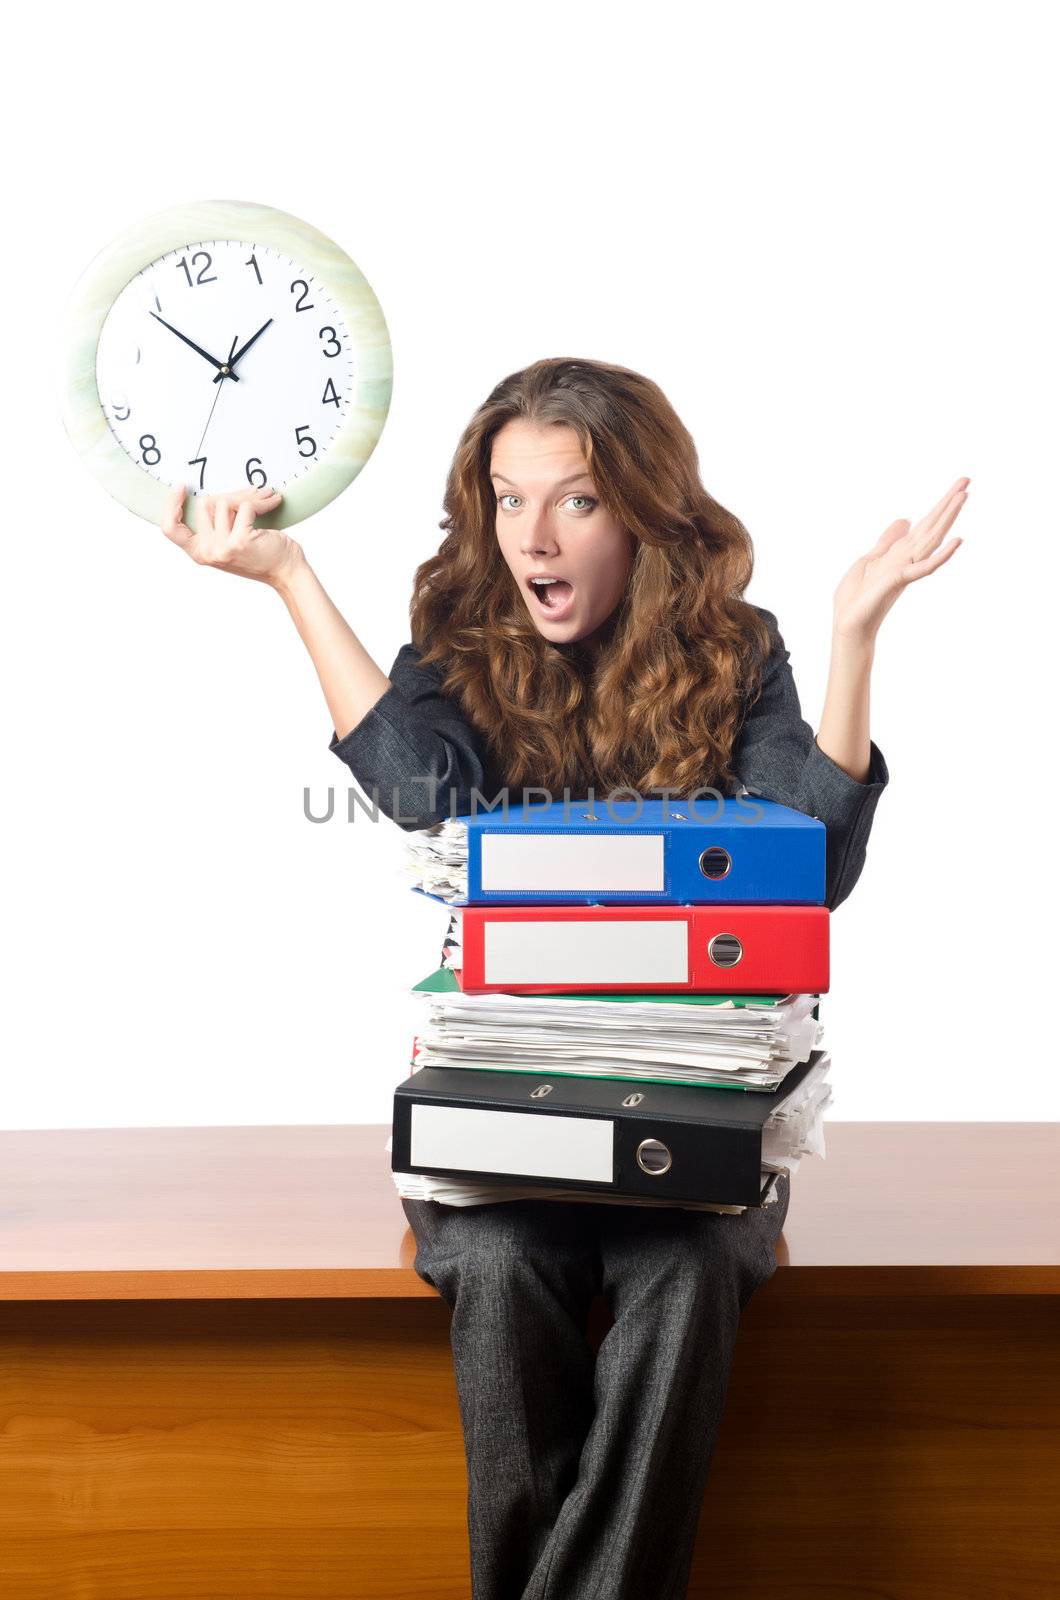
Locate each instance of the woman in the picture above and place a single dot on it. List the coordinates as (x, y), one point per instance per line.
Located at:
(639, 664)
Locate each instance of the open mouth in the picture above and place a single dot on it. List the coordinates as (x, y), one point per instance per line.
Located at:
(554, 597)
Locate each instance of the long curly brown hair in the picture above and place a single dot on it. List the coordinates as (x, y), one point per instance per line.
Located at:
(659, 699)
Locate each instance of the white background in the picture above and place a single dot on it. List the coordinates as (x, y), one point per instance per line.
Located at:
(825, 230)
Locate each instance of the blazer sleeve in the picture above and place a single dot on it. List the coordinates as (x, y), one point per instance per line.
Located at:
(777, 756)
(413, 747)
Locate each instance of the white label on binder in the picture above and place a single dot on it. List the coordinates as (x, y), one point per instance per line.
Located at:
(521, 1143)
(529, 862)
(586, 952)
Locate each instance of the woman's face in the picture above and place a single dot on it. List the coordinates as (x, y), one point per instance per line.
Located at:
(550, 523)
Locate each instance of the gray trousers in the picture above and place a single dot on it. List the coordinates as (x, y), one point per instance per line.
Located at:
(586, 1475)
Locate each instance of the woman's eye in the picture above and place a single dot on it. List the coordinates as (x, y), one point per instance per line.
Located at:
(587, 500)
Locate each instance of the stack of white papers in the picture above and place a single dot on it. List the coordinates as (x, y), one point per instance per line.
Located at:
(436, 859)
(451, 1192)
(694, 1039)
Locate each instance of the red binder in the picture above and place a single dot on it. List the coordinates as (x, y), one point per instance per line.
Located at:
(704, 949)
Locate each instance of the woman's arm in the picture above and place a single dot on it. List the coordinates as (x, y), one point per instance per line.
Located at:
(839, 775)
(844, 731)
(229, 540)
(351, 680)
(407, 744)
(414, 752)
(777, 756)
(868, 591)
(902, 554)
(405, 741)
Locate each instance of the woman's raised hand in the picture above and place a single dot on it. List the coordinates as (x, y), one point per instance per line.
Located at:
(228, 538)
(903, 553)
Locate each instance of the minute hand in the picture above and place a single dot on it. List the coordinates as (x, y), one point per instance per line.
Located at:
(241, 352)
(221, 371)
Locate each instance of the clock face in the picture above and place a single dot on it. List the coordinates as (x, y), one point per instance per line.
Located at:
(224, 365)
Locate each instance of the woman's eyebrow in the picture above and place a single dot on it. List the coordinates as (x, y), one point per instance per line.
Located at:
(575, 477)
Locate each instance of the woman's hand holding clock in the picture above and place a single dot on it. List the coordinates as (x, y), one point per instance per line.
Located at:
(902, 554)
(228, 539)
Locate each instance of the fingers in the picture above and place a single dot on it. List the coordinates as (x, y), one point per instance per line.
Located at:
(173, 510)
(248, 510)
(223, 521)
(222, 514)
(928, 534)
(931, 563)
(254, 504)
(896, 530)
(173, 525)
(960, 483)
(238, 496)
(929, 529)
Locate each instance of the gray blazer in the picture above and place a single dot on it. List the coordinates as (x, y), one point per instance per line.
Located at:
(415, 734)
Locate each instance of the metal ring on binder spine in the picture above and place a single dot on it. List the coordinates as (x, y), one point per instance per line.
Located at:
(715, 862)
(725, 950)
(653, 1157)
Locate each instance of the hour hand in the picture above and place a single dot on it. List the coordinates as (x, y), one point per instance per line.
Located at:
(223, 371)
(240, 353)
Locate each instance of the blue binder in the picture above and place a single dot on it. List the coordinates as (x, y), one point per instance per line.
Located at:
(740, 850)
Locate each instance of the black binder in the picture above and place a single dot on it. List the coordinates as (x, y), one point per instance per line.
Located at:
(664, 1140)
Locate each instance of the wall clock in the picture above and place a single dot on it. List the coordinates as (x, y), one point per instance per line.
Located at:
(225, 345)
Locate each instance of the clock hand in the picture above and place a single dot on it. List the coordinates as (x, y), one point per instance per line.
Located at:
(232, 360)
(213, 408)
(223, 371)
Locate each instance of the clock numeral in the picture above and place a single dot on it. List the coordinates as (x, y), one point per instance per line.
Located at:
(207, 262)
(330, 399)
(333, 339)
(309, 440)
(300, 283)
(200, 462)
(253, 262)
(121, 412)
(256, 473)
(150, 453)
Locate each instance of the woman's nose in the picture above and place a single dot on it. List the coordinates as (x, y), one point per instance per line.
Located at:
(538, 538)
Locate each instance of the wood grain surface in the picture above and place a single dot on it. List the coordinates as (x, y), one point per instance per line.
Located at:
(892, 1449)
(232, 1212)
(173, 1429)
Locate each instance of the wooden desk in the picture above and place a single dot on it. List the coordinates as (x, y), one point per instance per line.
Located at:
(219, 1374)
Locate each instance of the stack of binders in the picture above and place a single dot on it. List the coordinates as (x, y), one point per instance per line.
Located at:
(626, 1005)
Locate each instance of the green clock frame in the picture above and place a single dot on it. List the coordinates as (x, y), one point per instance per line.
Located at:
(107, 275)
